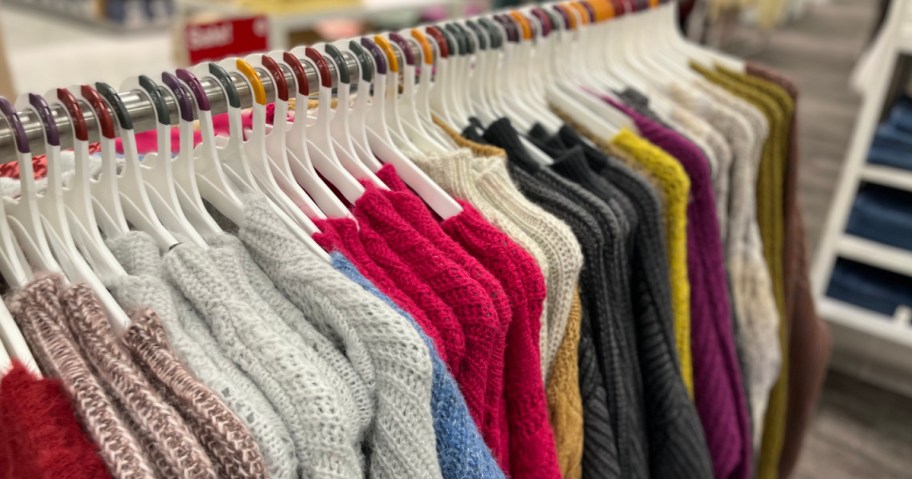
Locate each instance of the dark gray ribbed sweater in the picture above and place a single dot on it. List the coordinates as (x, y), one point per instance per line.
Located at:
(677, 446)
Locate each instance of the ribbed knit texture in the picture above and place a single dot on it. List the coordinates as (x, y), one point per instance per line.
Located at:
(718, 389)
(460, 447)
(384, 348)
(194, 344)
(615, 341)
(39, 314)
(565, 404)
(677, 445)
(770, 213)
(327, 444)
(354, 397)
(755, 306)
(472, 305)
(600, 447)
(229, 443)
(40, 437)
(162, 432)
(809, 336)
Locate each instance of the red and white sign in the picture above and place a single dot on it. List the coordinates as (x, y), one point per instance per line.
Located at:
(225, 38)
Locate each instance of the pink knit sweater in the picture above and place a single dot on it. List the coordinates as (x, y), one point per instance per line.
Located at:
(527, 437)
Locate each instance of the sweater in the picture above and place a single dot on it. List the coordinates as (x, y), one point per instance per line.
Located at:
(198, 349)
(470, 302)
(718, 388)
(383, 347)
(613, 332)
(227, 440)
(565, 404)
(677, 445)
(809, 336)
(770, 210)
(37, 310)
(751, 288)
(161, 431)
(293, 380)
(40, 437)
(600, 448)
(460, 447)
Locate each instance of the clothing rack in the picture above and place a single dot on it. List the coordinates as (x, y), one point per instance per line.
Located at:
(142, 110)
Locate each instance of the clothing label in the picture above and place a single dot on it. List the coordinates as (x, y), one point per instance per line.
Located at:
(225, 38)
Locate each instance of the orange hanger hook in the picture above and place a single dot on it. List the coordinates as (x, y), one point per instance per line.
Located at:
(384, 45)
(425, 46)
(259, 91)
(523, 23)
(568, 15)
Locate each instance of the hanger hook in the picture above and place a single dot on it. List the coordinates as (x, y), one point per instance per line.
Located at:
(158, 101)
(297, 68)
(407, 54)
(495, 34)
(113, 98)
(51, 132)
(278, 76)
(425, 45)
(367, 67)
(234, 101)
(199, 93)
(379, 57)
(384, 44)
(341, 67)
(80, 130)
(181, 94)
(443, 43)
(12, 117)
(256, 85)
(524, 24)
(322, 67)
(479, 34)
(102, 111)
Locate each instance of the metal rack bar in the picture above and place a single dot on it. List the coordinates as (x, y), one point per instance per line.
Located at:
(143, 113)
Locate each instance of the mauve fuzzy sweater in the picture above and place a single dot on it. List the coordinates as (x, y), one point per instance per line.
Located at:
(718, 388)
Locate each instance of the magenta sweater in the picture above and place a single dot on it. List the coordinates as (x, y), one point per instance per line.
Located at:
(470, 237)
(718, 388)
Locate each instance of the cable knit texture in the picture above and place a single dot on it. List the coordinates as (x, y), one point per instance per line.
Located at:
(472, 305)
(40, 437)
(384, 348)
(565, 405)
(191, 338)
(164, 435)
(39, 314)
(460, 447)
(226, 439)
(718, 388)
(293, 380)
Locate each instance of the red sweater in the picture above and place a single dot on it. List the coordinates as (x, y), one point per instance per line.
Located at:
(527, 436)
(40, 437)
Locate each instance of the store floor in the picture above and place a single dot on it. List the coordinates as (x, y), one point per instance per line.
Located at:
(46, 51)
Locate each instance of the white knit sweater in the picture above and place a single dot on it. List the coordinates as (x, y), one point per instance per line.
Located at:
(384, 348)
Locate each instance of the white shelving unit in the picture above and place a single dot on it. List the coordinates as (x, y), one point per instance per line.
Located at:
(870, 345)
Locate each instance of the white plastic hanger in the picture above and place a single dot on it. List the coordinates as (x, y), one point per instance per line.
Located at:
(316, 131)
(459, 71)
(105, 197)
(22, 212)
(408, 107)
(361, 105)
(277, 157)
(539, 51)
(133, 197)
(381, 145)
(491, 69)
(14, 343)
(157, 169)
(254, 151)
(183, 171)
(481, 104)
(422, 99)
(5, 363)
(61, 247)
(388, 83)
(441, 102)
(76, 196)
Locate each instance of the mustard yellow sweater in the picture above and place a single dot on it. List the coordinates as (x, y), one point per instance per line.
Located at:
(565, 405)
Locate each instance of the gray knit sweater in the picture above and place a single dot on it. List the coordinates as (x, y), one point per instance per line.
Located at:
(383, 347)
(191, 338)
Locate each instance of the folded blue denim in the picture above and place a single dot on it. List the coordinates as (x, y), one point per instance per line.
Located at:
(870, 288)
(883, 215)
